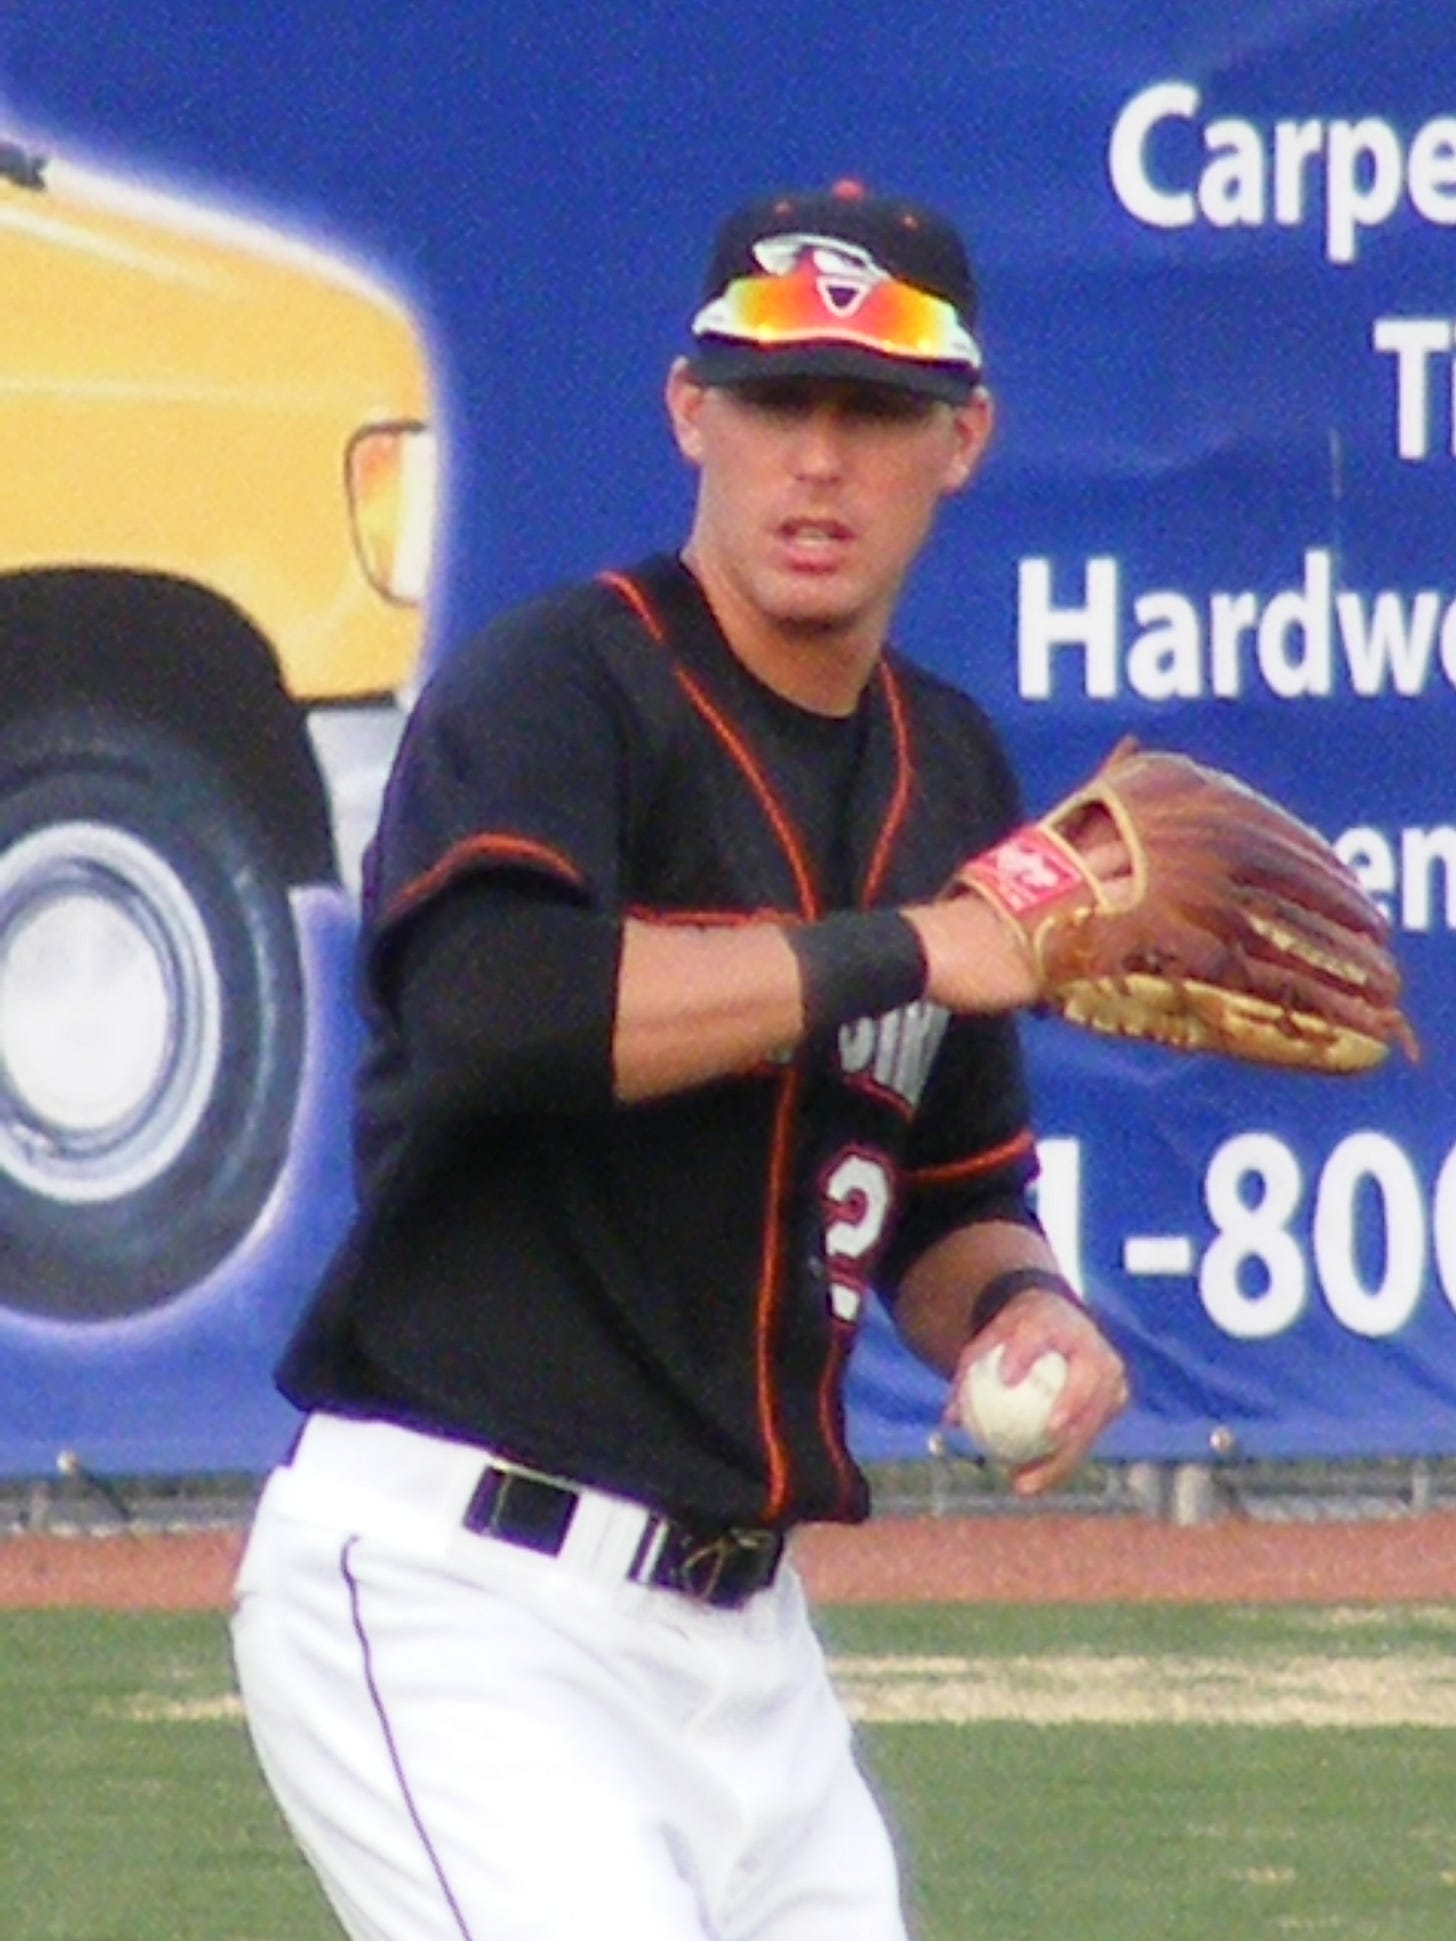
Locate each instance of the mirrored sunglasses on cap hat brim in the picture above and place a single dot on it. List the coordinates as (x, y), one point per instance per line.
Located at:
(891, 318)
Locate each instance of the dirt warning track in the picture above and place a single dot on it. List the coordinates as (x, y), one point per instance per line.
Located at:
(1046, 1558)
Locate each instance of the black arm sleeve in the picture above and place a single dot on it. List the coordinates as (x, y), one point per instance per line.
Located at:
(502, 992)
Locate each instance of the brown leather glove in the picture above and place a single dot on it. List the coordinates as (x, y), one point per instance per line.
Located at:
(1168, 901)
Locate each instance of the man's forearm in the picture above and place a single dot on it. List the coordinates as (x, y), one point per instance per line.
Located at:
(936, 1310)
(696, 1003)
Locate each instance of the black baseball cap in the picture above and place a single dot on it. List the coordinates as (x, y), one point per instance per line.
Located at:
(839, 283)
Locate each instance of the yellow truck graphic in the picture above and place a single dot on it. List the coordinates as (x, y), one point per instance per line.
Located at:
(216, 508)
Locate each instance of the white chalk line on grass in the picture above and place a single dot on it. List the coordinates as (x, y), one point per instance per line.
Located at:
(1399, 1685)
(1399, 1689)
(149, 1708)
(1395, 1689)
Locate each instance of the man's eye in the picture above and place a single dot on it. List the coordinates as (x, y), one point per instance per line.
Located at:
(779, 400)
(785, 398)
(889, 407)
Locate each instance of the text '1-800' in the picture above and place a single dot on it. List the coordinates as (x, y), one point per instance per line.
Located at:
(1360, 1230)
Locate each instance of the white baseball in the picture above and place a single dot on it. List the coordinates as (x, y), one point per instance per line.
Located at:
(1009, 1419)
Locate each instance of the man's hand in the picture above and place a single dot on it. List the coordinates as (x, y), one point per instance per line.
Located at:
(1094, 1394)
(974, 961)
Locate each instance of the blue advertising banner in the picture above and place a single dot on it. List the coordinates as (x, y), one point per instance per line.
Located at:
(328, 333)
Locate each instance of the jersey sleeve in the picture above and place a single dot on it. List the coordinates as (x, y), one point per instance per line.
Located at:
(971, 1154)
(491, 921)
(519, 757)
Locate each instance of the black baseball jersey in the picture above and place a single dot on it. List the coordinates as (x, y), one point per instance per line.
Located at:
(660, 1298)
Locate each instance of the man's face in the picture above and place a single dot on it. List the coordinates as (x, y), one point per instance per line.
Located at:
(815, 495)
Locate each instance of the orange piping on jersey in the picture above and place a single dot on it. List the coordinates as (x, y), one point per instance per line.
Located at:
(482, 849)
(709, 919)
(839, 1346)
(741, 753)
(770, 1289)
(981, 1162)
(902, 1107)
(639, 603)
(900, 800)
(759, 783)
(772, 1266)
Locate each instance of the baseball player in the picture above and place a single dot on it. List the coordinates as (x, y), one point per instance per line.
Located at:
(675, 1053)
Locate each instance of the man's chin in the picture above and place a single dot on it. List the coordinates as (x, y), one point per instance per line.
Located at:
(815, 608)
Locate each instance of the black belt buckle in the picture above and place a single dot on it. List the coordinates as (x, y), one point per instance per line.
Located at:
(530, 1511)
(724, 1569)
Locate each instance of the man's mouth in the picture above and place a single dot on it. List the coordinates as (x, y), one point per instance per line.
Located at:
(815, 540)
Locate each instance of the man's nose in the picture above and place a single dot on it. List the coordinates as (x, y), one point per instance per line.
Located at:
(819, 443)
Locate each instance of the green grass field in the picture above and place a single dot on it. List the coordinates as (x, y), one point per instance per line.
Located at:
(1112, 1774)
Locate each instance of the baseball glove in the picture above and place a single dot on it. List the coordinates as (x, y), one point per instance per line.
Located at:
(1168, 901)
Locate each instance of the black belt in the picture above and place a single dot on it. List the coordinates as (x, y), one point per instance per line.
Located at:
(723, 1568)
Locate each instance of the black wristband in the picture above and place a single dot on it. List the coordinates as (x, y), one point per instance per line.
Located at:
(1002, 1289)
(857, 964)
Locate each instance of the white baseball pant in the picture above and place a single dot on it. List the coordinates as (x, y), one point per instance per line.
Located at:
(475, 1742)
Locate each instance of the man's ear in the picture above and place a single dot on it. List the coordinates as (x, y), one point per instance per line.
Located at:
(684, 409)
(975, 421)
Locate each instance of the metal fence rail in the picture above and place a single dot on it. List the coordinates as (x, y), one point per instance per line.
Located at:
(79, 1500)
